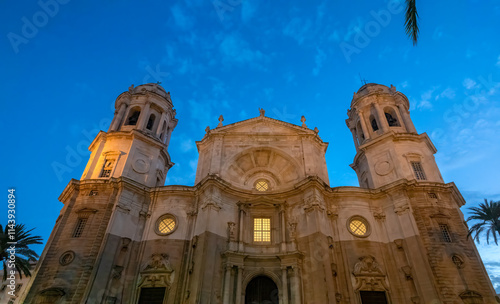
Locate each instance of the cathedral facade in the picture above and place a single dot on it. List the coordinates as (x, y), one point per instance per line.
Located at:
(261, 223)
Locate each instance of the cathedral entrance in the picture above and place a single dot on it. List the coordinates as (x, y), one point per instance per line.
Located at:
(373, 297)
(261, 290)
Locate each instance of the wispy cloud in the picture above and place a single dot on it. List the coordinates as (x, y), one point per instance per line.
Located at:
(238, 51)
(318, 59)
(298, 29)
(181, 19)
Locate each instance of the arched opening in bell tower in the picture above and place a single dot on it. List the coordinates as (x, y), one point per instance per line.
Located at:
(261, 289)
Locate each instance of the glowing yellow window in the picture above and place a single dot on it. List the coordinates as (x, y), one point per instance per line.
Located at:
(358, 227)
(166, 224)
(262, 230)
(261, 185)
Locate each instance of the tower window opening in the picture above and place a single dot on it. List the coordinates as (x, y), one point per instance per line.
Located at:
(418, 170)
(80, 225)
(390, 116)
(374, 124)
(262, 230)
(107, 168)
(151, 122)
(445, 233)
(133, 117)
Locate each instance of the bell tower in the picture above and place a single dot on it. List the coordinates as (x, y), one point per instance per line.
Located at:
(388, 147)
(136, 143)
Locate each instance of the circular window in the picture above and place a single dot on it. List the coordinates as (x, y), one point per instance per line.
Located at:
(262, 185)
(67, 258)
(358, 226)
(166, 224)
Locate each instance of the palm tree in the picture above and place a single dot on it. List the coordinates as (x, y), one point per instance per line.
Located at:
(411, 17)
(23, 254)
(489, 215)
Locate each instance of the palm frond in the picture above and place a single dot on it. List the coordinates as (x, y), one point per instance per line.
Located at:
(411, 20)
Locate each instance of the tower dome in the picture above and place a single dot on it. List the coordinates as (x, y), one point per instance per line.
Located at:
(387, 143)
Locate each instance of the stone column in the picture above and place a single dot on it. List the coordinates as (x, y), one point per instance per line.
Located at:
(354, 138)
(381, 117)
(295, 284)
(283, 229)
(406, 118)
(115, 124)
(238, 284)
(143, 118)
(160, 125)
(363, 125)
(227, 283)
(285, 284)
(240, 227)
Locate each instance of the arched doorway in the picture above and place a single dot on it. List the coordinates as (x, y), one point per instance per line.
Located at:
(261, 290)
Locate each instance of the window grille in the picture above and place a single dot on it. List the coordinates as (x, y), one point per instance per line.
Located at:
(445, 233)
(418, 170)
(107, 168)
(432, 195)
(80, 225)
(262, 230)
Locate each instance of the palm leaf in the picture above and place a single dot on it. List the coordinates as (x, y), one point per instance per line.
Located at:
(411, 20)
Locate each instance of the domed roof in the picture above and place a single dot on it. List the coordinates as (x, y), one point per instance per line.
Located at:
(152, 87)
(372, 88)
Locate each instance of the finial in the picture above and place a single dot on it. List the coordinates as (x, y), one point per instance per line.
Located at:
(221, 119)
(262, 112)
(131, 88)
(316, 130)
(303, 120)
(393, 88)
(207, 129)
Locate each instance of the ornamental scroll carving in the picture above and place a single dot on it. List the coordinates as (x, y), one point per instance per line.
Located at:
(158, 272)
(368, 275)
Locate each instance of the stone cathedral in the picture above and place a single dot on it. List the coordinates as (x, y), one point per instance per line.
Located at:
(261, 223)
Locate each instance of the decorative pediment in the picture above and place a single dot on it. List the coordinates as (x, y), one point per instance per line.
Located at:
(85, 212)
(471, 297)
(368, 275)
(262, 125)
(158, 272)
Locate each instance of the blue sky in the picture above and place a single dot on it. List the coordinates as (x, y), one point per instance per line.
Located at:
(64, 63)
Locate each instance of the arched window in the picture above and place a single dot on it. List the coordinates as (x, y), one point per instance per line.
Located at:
(391, 117)
(151, 122)
(373, 122)
(133, 116)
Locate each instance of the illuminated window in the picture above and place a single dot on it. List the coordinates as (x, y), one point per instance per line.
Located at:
(445, 233)
(80, 225)
(106, 168)
(358, 226)
(262, 230)
(166, 224)
(262, 185)
(418, 170)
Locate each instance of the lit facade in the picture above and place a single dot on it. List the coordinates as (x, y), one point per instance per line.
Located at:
(261, 222)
